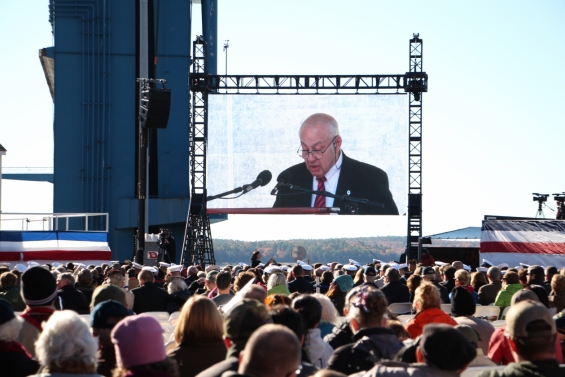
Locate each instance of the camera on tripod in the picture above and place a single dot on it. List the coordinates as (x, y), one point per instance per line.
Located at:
(163, 234)
(540, 198)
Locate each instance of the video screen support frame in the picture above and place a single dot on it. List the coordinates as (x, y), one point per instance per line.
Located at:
(197, 244)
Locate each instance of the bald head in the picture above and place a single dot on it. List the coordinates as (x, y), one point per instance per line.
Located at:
(272, 351)
(321, 120)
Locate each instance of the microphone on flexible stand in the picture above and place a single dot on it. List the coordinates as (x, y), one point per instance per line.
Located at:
(276, 188)
(262, 179)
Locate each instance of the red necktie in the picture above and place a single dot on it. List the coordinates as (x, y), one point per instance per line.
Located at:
(320, 201)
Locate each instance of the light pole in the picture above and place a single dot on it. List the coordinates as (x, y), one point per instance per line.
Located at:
(2, 153)
(226, 46)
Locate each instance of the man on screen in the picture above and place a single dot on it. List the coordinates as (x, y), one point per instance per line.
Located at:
(327, 168)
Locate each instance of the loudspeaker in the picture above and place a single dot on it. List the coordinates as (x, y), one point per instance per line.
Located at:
(155, 107)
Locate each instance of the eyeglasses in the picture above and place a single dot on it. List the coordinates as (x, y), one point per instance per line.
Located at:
(317, 154)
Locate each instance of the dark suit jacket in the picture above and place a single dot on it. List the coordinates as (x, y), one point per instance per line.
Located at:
(395, 292)
(301, 285)
(356, 179)
(150, 298)
(72, 299)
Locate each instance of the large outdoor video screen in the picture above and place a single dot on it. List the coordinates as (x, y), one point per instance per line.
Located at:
(248, 134)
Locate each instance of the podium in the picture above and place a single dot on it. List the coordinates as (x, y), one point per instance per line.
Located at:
(273, 211)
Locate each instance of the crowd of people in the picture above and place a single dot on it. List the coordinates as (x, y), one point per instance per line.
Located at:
(268, 319)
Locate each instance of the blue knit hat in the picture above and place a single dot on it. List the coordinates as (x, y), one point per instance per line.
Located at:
(344, 282)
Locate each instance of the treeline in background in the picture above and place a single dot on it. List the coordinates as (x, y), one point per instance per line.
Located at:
(362, 250)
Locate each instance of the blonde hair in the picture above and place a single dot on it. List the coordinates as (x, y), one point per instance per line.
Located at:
(276, 279)
(329, 312)
(558, 283)
(199, 321)
(426, 297)
(462, 276)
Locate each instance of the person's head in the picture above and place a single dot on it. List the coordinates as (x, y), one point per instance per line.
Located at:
(272, 351)
(145, 276)
(462, 278)
(523, 295)
(320, 143)
(297, 270)
(65, 278)
(444, 347)
(210, 281)
(392, 274)
(66, 344)
(256, 255)
(413, 282)
(531, 331)
(223, 281)
(277, 299)
(104, 317)
(426, 297)
(540, 292)
(478, 278)
(550, 271)
(367, 308)
(115, 277)
(425, 252)
(449, 273)
(429, 274)
(511, 277)
(8, 279)
(327, 277)
(242, 320)
(309, 309)
(138, 342)
(458, 265)
(176, 285)
(199, 322)
(329, 312)
(343, 283)
(192, 270)
(284, 315)
(462, 302)
(254, 291)
(242, 279)
(535, 274)
(84, 277)
(276, 279)
(10, 324)
(493, 274)
(412, 265)
(558, 283)
(107, 292)
(38, 287)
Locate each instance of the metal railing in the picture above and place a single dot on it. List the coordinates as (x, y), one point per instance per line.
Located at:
(91, 222)
(26, 170)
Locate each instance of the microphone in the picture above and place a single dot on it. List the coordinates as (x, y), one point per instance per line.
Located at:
(276, 188)
(262, 179)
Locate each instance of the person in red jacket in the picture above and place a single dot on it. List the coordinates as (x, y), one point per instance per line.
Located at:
(427, 259)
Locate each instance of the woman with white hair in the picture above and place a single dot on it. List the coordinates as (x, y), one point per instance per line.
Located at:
(66, 347)
(15, 361)
(277, 284)
(329, 314)
(178, 289)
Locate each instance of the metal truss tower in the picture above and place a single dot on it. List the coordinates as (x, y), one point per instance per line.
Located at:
(417, 83)
(197, 244)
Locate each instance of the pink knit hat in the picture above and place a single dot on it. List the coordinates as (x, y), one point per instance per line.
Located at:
(138, 340)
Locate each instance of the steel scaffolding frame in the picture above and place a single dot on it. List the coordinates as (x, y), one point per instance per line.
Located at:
(197, 245)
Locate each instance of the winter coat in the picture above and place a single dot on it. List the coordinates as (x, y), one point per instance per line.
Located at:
(319, 350)
(279, 289)
(395, 369)
(193, 356)
(432, 315)
(340, 336)
(505, 295)
(370, 346)
(14, 297)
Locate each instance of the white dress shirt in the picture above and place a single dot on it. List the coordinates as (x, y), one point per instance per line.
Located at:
(332, 177)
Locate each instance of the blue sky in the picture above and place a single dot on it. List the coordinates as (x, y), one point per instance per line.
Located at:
(491, 120)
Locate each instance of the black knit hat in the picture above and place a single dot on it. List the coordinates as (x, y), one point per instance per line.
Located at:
(38, 286)
(445, 347)
(462, 302)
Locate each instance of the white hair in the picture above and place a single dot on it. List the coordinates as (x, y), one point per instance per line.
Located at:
(9, 330)
(176, 285)
(321, 118)
(329, 312)
(275, 279)
(66, 337)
